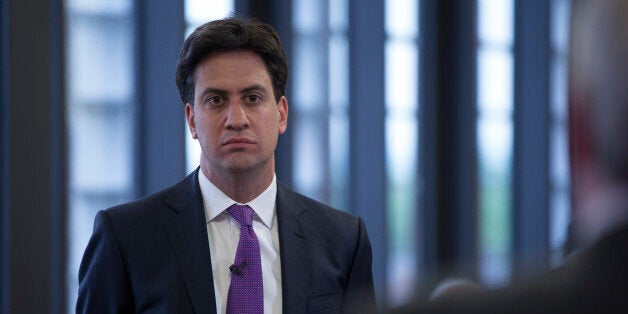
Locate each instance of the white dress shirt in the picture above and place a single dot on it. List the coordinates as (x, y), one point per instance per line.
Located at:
(224, 233)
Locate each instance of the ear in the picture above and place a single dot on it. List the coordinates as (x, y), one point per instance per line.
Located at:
(189, 115)
(282, 106)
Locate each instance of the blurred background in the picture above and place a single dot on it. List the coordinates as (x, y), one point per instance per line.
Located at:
(442, 123)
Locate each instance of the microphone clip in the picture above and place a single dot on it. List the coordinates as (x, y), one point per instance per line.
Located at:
(237, 269)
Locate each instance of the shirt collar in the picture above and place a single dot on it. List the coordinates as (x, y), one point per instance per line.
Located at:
(216, 201)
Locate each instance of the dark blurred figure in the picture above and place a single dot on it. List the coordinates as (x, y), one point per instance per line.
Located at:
(453, 288)
(596, 280)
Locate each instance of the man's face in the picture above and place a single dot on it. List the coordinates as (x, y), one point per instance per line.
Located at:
(235, 116)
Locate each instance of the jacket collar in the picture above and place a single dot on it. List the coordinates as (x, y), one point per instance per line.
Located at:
(295, 257)
(188, 237)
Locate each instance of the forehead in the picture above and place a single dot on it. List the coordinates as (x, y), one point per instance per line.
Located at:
(231, 69)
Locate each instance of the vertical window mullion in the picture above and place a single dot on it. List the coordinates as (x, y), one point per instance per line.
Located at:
(338, 93)
(559, 159)
(532, 130)
(367, 128)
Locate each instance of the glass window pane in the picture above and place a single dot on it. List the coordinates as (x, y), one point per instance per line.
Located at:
(198, 12)
(338, 71)
(309, 73)
(559, 220)
(495, 21)
(401, 164)
(338, 87)
(100, 65)
(495, 142)
(309, 158)
(99, 7)
(560, 24)
(309, 16)
(495, 76)
(559, 163)
(494, 138)
(338, 15)
(401, 123)
(402, 18)
(339, 159)
(559, 88)
(401, 75)
(495, 147)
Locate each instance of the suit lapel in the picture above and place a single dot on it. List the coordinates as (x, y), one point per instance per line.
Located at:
(295, 269)
(188, 236)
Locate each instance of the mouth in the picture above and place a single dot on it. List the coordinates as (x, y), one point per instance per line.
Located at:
(238, 141)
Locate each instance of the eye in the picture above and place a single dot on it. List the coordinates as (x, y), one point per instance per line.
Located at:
(252, 98)
(214, 100)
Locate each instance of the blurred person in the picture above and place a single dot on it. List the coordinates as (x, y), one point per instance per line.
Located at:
(596, 279)
(229, 238)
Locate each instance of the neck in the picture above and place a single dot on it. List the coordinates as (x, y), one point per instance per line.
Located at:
(243, 186)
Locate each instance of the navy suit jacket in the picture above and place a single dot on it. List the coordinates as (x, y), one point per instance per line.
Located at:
(152, 255)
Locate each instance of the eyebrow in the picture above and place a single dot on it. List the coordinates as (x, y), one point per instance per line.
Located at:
(254, 87)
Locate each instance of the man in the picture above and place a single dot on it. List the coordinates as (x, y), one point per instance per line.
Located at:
(229, 238)
(595, 280)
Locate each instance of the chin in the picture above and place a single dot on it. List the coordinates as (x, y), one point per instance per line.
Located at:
(239, 162)
(242, 165)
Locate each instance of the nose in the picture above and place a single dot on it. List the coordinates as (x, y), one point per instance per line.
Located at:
(236, 116)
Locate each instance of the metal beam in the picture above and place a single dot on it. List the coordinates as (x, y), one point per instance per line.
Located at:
(448, 162)
(367, 128)
(160, 115)
(531, 137)
(33, 158)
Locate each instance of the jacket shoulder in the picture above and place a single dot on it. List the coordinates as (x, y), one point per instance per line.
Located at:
(328, 221)
(156, 206)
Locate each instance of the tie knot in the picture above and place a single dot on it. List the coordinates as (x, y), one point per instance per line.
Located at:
(243, 214)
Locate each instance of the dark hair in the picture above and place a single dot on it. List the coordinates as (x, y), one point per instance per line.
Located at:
(231, 34)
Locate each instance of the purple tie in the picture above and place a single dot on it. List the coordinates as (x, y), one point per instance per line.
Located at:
(246, 292)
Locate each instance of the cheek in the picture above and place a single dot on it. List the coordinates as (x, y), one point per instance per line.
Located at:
(205, 128)
(271, 127)
(271, 121)
(207, 121)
